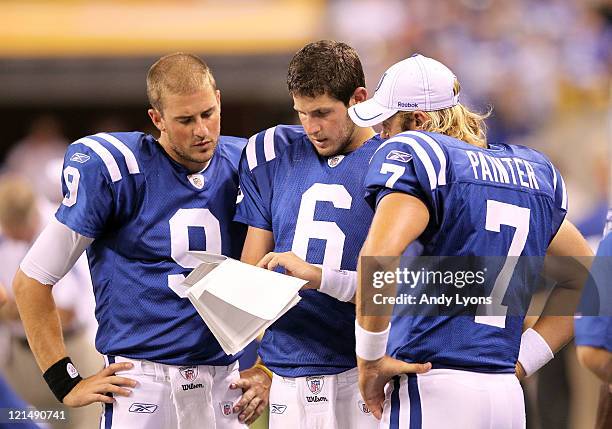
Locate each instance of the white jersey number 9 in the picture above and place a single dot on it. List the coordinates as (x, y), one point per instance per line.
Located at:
(179, 241)
(71, 178)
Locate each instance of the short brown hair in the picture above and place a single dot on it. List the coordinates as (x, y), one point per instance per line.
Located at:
(178, 73)
(325, 67)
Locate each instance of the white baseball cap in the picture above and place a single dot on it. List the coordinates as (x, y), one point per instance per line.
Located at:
(416, 83)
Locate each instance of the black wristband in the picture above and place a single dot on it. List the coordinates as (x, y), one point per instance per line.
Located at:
(61, 377)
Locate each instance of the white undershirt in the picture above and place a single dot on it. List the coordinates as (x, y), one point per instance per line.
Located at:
(54, 252)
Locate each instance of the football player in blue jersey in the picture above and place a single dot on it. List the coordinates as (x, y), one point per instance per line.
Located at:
(144, 209)
(594, 330)
(303, 188)
(438, 181)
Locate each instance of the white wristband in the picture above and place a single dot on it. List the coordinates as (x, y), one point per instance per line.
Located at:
(340, 284)
(370, 345)
(534, 352)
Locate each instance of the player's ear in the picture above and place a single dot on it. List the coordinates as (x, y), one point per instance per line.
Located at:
(359, 95)
(420, 118)
(218, 95)
(157, 119)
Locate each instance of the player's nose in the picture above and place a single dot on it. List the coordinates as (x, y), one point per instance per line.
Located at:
(311, 126)
(200, 130)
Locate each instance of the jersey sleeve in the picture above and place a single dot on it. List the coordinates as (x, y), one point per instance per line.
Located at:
(560, 200)
(403, 164)
(87, 186)
(255, 187)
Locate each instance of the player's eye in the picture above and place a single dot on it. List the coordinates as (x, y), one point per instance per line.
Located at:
(184, 121)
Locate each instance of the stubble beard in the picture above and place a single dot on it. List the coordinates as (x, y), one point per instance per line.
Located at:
(203, 158)
(344, 139)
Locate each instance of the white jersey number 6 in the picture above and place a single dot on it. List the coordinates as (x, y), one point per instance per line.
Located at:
(307, 228)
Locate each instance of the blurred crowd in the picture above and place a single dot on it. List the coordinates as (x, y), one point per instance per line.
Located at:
(528, 58)
(29, 194)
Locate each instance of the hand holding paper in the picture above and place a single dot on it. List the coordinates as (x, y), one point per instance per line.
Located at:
(237, 300)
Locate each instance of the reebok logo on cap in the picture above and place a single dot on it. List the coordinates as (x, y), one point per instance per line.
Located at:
(416, 83)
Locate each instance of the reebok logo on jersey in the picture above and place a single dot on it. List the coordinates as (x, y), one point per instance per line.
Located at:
(398, 155)
(189, 373)
(80, 158)
(192, 386)
(277, 408)
(315, 384)
(409, 105)
(142, 408)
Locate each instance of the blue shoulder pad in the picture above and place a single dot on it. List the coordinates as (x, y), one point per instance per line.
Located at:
(231, 147)
(264, 146)
(411, 162)
(92, 167)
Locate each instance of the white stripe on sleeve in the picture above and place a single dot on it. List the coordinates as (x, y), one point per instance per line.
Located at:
(130, 159)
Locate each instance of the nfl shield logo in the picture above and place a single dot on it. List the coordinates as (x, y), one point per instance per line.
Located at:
(226, 408)
(315, 384)
(197, 180)
(189, 373)
(335, 160)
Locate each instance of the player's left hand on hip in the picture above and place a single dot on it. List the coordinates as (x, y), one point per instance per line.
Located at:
(294, 266)
(374, 375)
(255, 385)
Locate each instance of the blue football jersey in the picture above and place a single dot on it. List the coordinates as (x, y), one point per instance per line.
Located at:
(501, 201)
(596, 330)
(314, 206)
(148, 215)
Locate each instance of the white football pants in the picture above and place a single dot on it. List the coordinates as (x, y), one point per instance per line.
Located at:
(446, 398)
(319, 402)
(173, 397)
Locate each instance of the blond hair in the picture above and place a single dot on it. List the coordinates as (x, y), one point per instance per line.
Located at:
(17, 202)
(457, 121)
(177, 73)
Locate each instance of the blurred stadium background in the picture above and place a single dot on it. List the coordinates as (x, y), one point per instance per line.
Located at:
(69, 68)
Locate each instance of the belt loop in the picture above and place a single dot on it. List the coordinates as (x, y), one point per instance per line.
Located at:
(159, 372)
(136, 362)
(211, 369)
